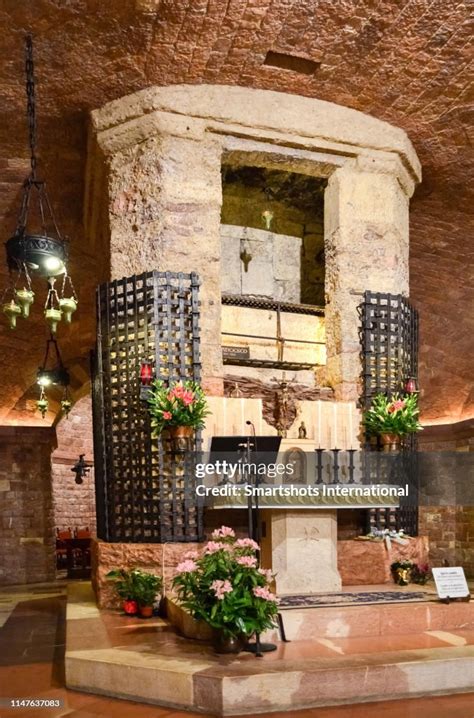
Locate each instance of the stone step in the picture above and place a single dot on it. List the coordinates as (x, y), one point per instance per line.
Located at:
(146, 661)
(386, 619)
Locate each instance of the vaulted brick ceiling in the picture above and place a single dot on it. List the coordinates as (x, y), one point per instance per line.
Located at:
(404, 61)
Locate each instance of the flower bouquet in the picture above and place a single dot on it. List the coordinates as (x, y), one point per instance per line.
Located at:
(182, 405)
(401, 571)
(225, 588)
(392, 418)
(420, 573)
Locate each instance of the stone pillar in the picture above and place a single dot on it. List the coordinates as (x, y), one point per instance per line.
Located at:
(165, 199)
(304, 551)
(366, 248)
(27, 541)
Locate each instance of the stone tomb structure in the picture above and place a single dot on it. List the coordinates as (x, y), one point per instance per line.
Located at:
(154, 191)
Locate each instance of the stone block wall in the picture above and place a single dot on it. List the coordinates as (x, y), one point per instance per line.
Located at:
(273, 268)
(27, 545)
(243, 206)
(74, 504)
(450, 528)
(160, 559)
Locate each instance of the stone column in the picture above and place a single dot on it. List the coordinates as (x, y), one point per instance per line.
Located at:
(27, 540)
(165, 199)
(366, 248)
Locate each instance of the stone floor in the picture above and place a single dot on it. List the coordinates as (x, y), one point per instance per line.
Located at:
(32, 640)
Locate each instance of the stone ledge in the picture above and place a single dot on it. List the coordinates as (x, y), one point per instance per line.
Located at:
(304, 117)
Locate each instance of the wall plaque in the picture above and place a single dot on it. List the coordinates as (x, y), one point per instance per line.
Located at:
(235, 353)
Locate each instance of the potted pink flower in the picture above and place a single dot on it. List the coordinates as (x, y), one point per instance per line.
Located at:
(225, 588)
(179, 409)
(391, 418)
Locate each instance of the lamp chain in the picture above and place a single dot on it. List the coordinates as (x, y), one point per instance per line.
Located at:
(31, 109)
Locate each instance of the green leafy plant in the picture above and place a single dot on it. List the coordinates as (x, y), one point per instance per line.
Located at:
(135, 585)
(180, 404)
(397, 415)
(147, 586)
(225, 588)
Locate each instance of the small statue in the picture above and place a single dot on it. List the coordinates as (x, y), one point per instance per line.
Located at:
(302, 433)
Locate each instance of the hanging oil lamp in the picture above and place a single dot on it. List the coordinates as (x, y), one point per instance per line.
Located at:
(146, 378)
(25, 298)
(52, 370)
(37, 246)
(66, 403)
(411, 385)
(52, 309)
(42, 404)
(12, 310)
(68, 305)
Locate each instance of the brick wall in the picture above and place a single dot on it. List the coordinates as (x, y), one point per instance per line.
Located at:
(27, 548)
(74, 504)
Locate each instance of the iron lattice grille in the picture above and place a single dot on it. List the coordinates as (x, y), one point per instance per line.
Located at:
(389, 341)
(389, 337)
(144, 492)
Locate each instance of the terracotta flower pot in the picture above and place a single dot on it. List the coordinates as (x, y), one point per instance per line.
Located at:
(390, 442)
(228, 644)
(146, 611)
(130, 608)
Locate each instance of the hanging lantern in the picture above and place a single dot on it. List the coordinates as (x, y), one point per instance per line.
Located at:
(411, 386)
(68, 307)
(25, 298)
(13, 311)
(52, 370)
(146, 378)
(52, 311)
(42, 404)
(37, 245)
(66, 403)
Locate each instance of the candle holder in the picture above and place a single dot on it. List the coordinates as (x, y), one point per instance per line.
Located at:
(336, 465)
(351, 453)
(319, 466)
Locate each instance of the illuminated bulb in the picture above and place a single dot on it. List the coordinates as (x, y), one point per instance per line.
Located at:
(44, 380)
(52, 264)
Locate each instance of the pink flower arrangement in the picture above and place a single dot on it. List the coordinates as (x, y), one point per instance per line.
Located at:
(396, 406)
(266, 573)
(247, 543)
(220, 588)
(249, 561)
(223, 532)
(187, 566)
(213, 546)
(180, 404)
(191, 555)
(265, 593)
(225, 587)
